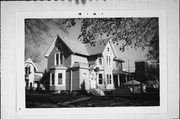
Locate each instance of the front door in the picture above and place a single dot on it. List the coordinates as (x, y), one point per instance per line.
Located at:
(93, 80)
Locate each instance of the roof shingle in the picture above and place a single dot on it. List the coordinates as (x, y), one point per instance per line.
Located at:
(86, 49)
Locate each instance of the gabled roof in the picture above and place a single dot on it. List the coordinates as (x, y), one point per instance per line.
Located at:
(40, 67)
(75, 46)
(78, 47)
(98, 48)
(37, 66)
(29, 61)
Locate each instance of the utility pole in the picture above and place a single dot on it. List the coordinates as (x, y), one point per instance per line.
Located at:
(132, 78)
(128, 66)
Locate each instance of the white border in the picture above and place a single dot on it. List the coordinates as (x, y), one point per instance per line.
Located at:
(13, 15)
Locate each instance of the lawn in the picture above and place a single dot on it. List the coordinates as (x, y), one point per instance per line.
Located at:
(38, 100)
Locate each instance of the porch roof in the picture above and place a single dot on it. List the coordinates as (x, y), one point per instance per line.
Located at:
(118, 59)
(121, 72)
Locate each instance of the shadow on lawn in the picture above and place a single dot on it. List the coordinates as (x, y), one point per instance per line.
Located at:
(84, 99)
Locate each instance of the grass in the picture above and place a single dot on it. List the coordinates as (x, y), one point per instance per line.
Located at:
(38, 100)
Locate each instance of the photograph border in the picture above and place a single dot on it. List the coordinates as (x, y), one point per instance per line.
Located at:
(16, 102)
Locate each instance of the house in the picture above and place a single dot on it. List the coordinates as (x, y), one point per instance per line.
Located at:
(33, 73)
(74, 65)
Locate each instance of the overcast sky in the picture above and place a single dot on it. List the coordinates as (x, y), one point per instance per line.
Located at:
(130, 55)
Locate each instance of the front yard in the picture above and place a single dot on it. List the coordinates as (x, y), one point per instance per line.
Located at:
(37, 100)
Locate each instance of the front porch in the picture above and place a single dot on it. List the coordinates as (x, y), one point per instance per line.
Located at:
(121, 77)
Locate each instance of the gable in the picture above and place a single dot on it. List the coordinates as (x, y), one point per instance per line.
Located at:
(77, 47)
(29, 62)
(72, 45)
(110, 50)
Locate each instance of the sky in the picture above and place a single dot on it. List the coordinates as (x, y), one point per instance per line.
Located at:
(130, 55)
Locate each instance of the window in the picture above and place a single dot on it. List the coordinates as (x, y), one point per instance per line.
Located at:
(60, 79)
(100, 78)
(109, 79)
(27, 70)
(100, 61)
(61, 58)
(117, 65)
(31, 85)
(52, 78)
(27, 83)
(108, 49)
(107, 59)
(58, 58)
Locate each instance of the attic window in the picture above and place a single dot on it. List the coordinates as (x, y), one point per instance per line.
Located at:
(100, 60)
(108, 49)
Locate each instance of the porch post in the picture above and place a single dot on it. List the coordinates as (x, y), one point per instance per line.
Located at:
(70, 80)
(118, 80)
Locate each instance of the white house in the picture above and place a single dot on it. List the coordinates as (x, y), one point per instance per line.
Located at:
(73, 64)
(32, 74)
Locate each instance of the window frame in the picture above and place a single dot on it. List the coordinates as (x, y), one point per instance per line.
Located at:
(52, 79)
(109, 61)
(108, 49)
(100, 61)
(58, 61)
(100, 78)
(60, 82)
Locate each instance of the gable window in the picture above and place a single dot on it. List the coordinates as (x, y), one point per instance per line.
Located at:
(100, 61)
(107, 60)
(100, 78)
(60, 79)
(58, 58)
(108, 49)
(52, 78)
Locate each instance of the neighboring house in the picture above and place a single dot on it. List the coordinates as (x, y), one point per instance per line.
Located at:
(33, 74)
(74, 65)
(136, 86)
